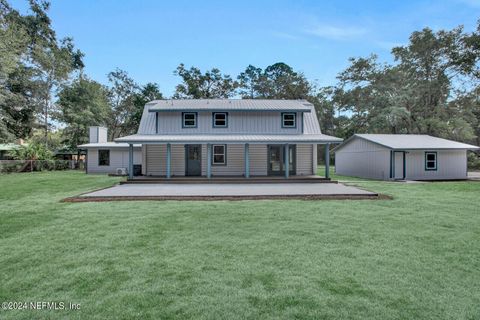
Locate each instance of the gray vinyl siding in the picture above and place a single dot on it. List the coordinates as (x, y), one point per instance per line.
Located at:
(250, 122)
(118, 159)
(156, 160)
(361, 158)
(235, 161)
(258, 159)
(304, 159)
(451, 164)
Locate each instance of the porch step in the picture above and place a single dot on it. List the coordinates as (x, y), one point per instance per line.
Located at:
(225, 180)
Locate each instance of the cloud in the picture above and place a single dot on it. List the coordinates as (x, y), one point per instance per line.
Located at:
(337, 33)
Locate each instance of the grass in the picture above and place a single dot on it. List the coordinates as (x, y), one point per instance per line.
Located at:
(414, 257)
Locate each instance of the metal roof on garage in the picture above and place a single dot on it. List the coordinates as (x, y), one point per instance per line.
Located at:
(410, 142)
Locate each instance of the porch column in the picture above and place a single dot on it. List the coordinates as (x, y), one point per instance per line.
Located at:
(169, 160)
(287, 161)
(247, 161)
(130, 161)
(327, 160)
(209, 160)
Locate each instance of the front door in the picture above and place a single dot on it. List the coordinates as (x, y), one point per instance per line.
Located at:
(276, 160)
(193, 159)
(399, 165)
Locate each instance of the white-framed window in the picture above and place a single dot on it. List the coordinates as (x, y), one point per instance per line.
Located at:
(220, 119)
(430, 161)
(289, 120)
(189, 119)
(219, 154)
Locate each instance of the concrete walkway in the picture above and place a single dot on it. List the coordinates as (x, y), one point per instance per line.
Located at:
(474, 175)
(259, 190)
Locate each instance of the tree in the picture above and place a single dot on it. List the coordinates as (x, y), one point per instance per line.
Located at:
(34, 52)
(121, 97)
(31, 151)
(82, 104)
(148, 92)
(13, 41)
(208, 85)
(249, 82)
(277, 81)
(415, 94)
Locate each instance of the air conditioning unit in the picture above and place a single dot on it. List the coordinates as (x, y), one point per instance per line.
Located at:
(121, 171)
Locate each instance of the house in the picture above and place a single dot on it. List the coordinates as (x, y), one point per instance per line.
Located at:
(108, 157)
(5, 150)
(225, 137)
(402, 156)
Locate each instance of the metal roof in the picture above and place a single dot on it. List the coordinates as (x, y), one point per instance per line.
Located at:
(229, 105)
(229, 138)
(107, 145)
(310, 121)
(411, 142)
(9, 146)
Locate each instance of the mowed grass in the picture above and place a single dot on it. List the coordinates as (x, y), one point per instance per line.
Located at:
(414, 257)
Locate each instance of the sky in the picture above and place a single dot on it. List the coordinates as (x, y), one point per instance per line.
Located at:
(149, 38)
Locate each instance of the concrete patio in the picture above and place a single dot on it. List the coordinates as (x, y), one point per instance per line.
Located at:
(225, 191)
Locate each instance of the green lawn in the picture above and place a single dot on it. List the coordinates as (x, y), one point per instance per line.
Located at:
(414, 257)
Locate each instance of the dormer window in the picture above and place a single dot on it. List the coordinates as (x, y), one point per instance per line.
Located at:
(220, 119)
(289, 120)
(189, 119)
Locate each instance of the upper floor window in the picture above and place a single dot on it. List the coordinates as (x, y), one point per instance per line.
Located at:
(103, 157)
(189, 119)
(289, 120)
(430, 161)
(220, 119)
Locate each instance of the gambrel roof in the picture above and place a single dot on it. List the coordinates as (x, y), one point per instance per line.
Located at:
(311, 127)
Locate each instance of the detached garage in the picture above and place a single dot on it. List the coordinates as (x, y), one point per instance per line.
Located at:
(402, 157)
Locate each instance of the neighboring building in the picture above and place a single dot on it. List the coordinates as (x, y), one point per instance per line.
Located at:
(108, 157)
(402, 157)
(225, 137)
(5, 150)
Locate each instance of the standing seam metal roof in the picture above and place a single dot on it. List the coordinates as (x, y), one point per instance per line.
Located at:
(229, 105)
(410, 142)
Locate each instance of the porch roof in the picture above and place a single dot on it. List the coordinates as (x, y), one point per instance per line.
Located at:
(229, 138)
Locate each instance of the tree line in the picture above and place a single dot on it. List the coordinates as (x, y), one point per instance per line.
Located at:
(431, 87)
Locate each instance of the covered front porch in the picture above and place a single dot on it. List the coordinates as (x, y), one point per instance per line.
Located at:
(203, 162)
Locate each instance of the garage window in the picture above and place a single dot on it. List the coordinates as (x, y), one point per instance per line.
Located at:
(430, 161)
(103, 157)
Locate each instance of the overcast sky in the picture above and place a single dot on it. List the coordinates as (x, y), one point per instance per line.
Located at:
(149, 39)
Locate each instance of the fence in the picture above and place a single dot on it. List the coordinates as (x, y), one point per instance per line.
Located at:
(11, 166)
